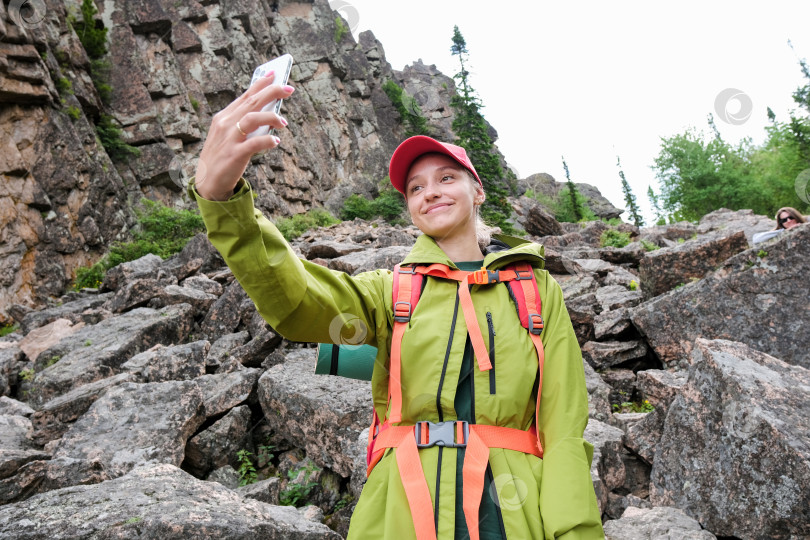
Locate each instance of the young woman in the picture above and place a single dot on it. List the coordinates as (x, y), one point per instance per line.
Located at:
(786, 218)
(489, 479)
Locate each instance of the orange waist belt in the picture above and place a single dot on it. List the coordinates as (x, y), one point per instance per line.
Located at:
(477, 439)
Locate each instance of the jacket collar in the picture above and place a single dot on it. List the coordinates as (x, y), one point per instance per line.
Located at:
(503, 250)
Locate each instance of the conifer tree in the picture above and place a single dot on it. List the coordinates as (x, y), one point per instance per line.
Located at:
(629, 198)
(471, 134)
(573, 194)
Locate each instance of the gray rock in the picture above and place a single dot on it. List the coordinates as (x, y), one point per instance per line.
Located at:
(224, 391)
(264, 490)
(154, 502)
(222, 348)
(203, 283)
(10, 356)
(577, 286)
(755, 298)
(660, 387)
(70, 310)
(622, 383)
(160, 418)
(643, 437)
(138, 292)
(620, 276)
(174, 294)
(217, 446)
(118, 276)
(224, 316)
(363, 261)
(736, 444)
(329, 249)
(175, 363)
(661, 523)
(607, 468)
(664, 269)
(254, 352)
(598, 395)
(561, 264)
(320, 413)
(582, 310)
(603, 354)
(225, 475)
(611, 323)
(12, 407)
(15, 432)
(539, 222)
(55, 417)
(98, 351)
(617, 296)
(730, 221)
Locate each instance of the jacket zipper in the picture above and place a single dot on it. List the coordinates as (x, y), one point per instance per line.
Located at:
(441, 413)
(491, 352)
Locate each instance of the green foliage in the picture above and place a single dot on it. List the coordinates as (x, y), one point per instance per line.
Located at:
(614, 238)
(110, 136)
(194, 103)
(762, 253)
(566, 207)
(629, 198)
(27, 374)
(296, 493)
(698, 173)
(9, 329)
(100, 75)
(633, 407)
(293, 227)
(246, 470)
(408, 109)
(633, 285)
(573, 199)
(389, 205)
(160, 230)
(340, 29)
(648, 246)
(52, 360)
(92, 33)
(472, 134)
(73, 112)
(64, 86)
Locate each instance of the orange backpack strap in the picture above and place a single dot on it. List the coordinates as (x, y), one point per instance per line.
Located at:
(407, 285)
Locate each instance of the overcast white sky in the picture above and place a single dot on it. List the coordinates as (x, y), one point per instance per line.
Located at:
(593, 80)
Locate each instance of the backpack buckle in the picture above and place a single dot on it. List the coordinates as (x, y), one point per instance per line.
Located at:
(535, 323)
(402, 311)
(484, 277)
(441, 433)
(523, 274)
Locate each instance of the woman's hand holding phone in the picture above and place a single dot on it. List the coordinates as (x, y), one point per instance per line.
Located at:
(227, 148)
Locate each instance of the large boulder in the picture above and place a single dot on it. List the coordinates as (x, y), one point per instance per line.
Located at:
(323, 414)
(664, 269)
(661, 523)
(757, 297)
(155, 501)
(98, 351)
(735, 451)
(735, 220)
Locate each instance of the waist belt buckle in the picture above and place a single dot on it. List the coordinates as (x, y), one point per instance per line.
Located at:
(441, 434)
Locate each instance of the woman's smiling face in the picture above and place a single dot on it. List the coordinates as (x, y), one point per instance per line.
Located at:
(441, 197)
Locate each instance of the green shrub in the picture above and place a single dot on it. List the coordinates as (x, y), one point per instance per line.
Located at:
(614, 238)
(73, 112)
(566, 211)
(408, 109)
(64, 86)
(9, 329)
(649, 246)
(633, 407)
(160, 230)
(389, 205)
(247, 472)
(340, 29)
(296, 494)
(92, 34)
(109, 134)
(293, 227)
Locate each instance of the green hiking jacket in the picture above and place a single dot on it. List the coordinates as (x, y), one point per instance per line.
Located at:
(551, 497)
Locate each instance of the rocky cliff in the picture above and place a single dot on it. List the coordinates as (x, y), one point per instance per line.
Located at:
(65, 196)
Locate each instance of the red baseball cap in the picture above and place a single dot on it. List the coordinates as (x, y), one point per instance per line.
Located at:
(416, 146)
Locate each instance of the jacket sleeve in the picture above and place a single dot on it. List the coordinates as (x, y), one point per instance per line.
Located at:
(302, 301)
(567, 500)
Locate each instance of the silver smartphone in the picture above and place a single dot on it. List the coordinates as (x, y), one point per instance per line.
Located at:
(282, 66)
